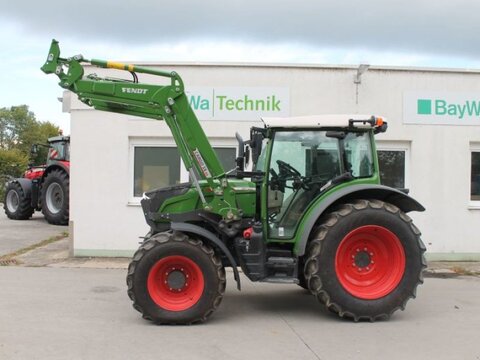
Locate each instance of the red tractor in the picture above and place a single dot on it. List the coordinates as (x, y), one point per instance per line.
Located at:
(44, 187)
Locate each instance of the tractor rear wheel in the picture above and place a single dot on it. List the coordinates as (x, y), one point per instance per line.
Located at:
(175, 279)
(365, 260)
(55, 197)
(17, 204)
(302, 281)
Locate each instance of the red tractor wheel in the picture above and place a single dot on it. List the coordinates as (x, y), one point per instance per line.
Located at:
(365, 260)
(174, 279)
(370, 262)
(175, 283)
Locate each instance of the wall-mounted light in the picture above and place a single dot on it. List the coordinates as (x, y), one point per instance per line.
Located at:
(361, 70)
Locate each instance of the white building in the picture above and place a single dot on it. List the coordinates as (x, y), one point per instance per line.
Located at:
(432, 145)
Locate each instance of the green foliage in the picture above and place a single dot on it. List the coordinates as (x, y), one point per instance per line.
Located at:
(14, 122)
(12, 163)
(19, 130)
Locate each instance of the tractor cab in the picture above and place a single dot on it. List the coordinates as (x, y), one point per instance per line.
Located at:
(305, 157)
(59, 149)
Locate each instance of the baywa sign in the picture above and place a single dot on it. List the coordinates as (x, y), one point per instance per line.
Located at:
(441, 108)
(238, 103)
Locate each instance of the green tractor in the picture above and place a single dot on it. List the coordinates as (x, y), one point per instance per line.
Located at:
(309, 211)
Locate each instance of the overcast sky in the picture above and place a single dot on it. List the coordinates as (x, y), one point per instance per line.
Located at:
(433, 33)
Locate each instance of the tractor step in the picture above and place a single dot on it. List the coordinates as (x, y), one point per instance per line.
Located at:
(283, 261)
(280, 280)
(281, 270)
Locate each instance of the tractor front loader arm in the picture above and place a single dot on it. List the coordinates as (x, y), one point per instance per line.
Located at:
(55, 64)
(159, 102)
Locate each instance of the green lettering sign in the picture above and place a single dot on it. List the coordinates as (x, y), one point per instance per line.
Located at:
(440, 107)
(245, 103)
(424, 107)
(197, 102)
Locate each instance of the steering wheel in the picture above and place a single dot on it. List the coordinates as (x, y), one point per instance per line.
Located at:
(285, 168)
(288, 172)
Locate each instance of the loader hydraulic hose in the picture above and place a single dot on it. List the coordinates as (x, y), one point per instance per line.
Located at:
(176, 80)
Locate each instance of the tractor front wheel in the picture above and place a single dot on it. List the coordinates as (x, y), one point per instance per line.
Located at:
(175, 279)
(365, 260)
(17, 204)
(55, 197)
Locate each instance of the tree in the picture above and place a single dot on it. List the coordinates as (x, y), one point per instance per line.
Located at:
(13, 162)
(13, 122)
(19, 130)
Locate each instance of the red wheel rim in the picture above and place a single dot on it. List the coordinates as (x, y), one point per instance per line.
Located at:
(370, 262)
(175, 283)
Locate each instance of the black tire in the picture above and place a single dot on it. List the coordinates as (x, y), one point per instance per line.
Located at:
(321, 270)
(161, 247)
(302, 281)
(55, 198)
(17, 204)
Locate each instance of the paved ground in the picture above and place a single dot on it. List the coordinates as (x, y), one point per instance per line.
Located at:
(19, 234)
(55, 307)
(68, 313)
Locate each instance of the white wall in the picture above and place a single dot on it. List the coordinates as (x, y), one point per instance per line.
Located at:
(105, 223)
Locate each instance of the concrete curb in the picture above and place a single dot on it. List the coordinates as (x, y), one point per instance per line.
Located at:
(56, 255)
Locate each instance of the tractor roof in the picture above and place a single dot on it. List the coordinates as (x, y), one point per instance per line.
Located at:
(59, 138)
(332, 120)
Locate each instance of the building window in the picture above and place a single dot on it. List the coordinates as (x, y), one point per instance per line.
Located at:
(227, 157)
(154, 167)
(475, 177)
(156, 164)
(393, 167)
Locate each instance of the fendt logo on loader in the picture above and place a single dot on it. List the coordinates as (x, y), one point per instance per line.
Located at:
(134, 90)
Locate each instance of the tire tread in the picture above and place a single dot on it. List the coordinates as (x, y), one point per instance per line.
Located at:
(62, 217)
(25, 209)
(312, 267)
(163, 238)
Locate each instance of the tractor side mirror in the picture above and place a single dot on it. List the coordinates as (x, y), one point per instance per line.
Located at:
(241, 153)
(256, 145)
(247, 155)
(34, 149)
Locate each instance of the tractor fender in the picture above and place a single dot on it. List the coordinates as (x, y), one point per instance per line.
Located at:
(378, 192)
(62, 165)
(211, 238)
(26, 185)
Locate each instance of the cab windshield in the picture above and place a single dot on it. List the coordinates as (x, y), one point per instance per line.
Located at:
(59, 150)
(304, 164)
